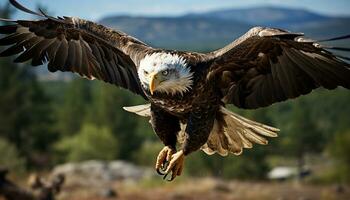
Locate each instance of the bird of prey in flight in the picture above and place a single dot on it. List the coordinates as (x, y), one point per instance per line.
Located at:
(187, 91)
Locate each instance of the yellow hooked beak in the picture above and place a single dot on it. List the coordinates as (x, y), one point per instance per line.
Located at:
(153, 82)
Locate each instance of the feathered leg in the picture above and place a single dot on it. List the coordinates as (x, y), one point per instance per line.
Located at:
(166, 127)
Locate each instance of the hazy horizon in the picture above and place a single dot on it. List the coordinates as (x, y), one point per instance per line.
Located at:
(92, 11)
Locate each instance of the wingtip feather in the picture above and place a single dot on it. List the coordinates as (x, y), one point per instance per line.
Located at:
(24, 9)
(335, 38)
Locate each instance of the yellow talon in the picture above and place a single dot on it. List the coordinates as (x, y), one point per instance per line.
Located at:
(176, 165)
(163, 159)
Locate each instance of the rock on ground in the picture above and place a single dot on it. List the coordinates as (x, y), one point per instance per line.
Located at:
(99, 172)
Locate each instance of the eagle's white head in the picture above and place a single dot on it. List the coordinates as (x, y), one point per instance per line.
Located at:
(165, 72)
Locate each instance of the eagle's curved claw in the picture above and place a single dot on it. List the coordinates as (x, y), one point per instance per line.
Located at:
(176, 165)
(163, 159)
(161, 170)
(171, 179)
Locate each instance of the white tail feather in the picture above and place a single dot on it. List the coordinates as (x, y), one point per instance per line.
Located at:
(238, 133)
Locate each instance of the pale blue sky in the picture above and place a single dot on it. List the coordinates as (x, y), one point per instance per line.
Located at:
(95, 9)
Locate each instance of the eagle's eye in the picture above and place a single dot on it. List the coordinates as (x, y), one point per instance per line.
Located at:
(165, 72)
(145, 72)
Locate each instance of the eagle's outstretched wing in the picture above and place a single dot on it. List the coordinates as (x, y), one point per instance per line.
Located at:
(267, 65)
(76, 45)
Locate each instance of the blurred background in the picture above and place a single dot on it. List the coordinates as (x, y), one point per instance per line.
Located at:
(60, 123)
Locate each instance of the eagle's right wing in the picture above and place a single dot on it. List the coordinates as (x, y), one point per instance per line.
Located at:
(269, 65)
(71, 44)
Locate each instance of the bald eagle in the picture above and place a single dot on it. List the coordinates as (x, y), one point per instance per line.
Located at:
(187, 91)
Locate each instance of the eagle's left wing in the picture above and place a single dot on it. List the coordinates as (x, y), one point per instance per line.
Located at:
(267, 65)
(75, 45)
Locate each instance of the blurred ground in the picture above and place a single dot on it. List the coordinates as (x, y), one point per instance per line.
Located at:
(209, 188)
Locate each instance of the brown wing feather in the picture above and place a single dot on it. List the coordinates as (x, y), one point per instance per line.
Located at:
(270, 65)
(79, 46)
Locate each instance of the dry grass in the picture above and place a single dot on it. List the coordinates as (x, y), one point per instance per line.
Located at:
(207, 189)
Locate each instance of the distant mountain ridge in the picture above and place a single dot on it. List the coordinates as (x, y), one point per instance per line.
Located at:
(178, 32)
(213, 29)
(266, 15)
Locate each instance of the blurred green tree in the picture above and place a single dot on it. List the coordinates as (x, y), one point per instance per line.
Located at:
(72, 112)
(25, 112)
(91, 142)
(147, 153)
(339, 148)
(299, 135)
(308, 123)
(330, 111)
(106, 111)
(251, 165)
(10, 157)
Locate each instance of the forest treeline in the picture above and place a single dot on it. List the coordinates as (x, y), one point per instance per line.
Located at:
(43, 124)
